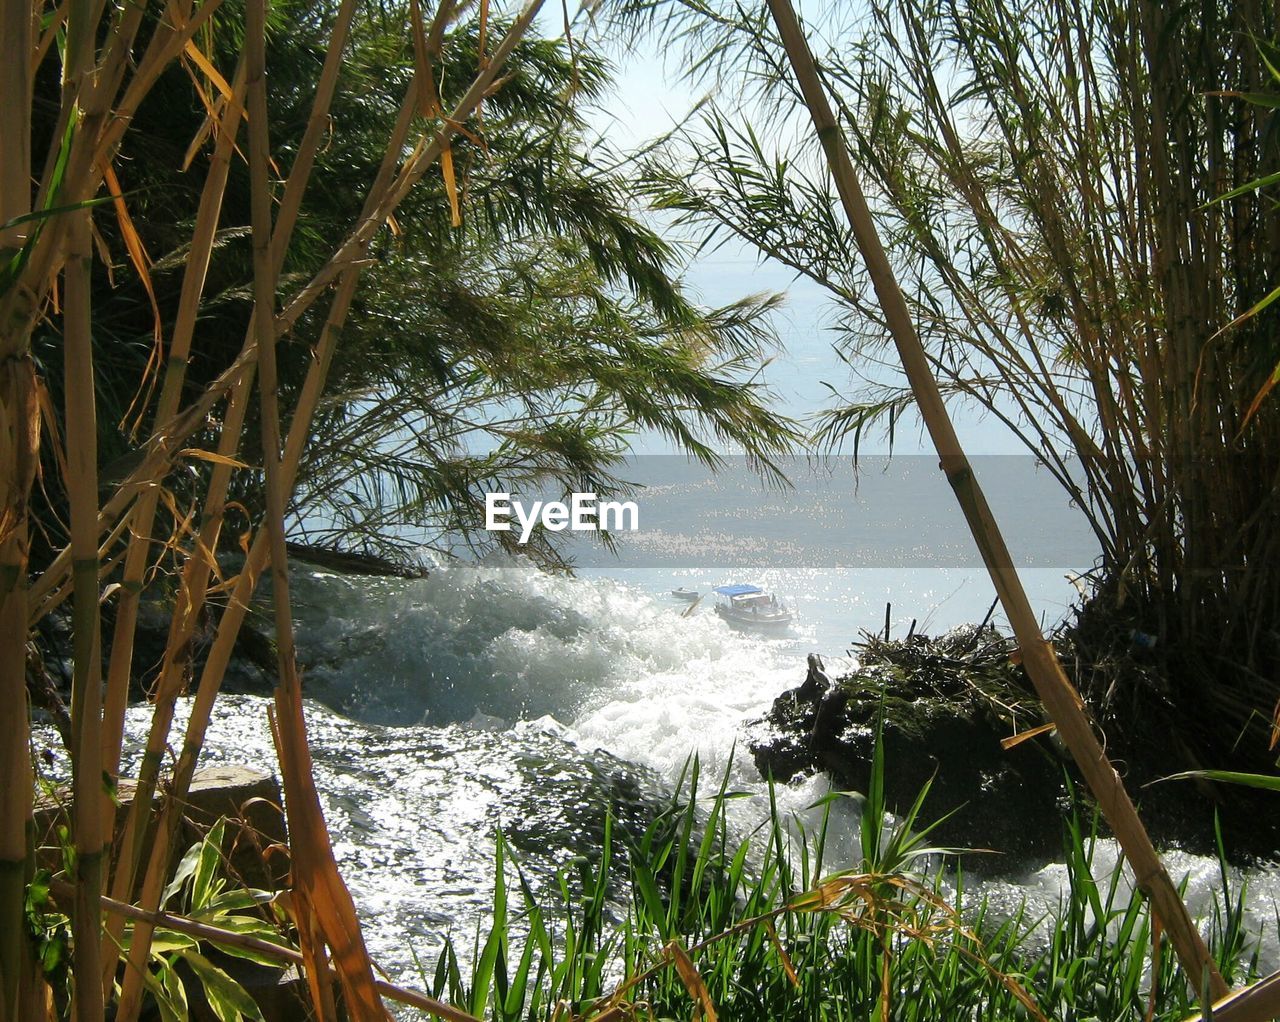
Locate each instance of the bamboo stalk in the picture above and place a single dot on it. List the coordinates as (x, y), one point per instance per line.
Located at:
(377, 207)
(86, 700)
(81, 483)
(196, 572)
(15, 124)
(1055, 691)
(191, 595)
(1256, 1003)
(15, 777)
(19, 443)
(186, 609)
(315, 872)
(98, 132)
(219, 656)
(168, 437)
(138, 556)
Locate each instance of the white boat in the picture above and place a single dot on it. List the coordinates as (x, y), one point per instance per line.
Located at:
(748, 606)
(688, 595)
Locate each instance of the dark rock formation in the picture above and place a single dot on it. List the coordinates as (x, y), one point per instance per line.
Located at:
(945, 707)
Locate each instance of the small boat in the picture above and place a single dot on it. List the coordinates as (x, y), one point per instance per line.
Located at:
(747, 606)
(688, 595)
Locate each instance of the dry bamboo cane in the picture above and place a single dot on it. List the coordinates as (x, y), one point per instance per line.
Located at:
(168, 436)
(1056, 692)
(98, 133)
(177, 360)
(314, 867)
(16, 782)
(326, 913)
(191, 595)
(1255, 1003)
(184, 326)
(315, 875)
(196, 573)
(86, 701)
(168, 439)
(229, 626)
(19, 443)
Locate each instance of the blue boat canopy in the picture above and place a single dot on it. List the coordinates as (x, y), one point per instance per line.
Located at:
(738, 590)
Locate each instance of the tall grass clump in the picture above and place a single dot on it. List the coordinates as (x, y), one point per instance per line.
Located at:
(694, 916)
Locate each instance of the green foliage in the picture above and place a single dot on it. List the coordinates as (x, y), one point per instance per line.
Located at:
(522, 349)
(1269, 100)
(50, 931)
(200, 890)
(1267, 782)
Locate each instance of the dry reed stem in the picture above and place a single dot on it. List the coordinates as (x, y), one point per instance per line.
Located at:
(99, 130)
(319, 892)
(158, 454)
(19, 446)
(86, 702)
(16, 28)
(17, 785)
(1257, 1003)
(1055, 691)
(136, 562)
(197, 263)
(196, 572)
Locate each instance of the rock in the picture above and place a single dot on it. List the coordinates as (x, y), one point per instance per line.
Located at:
(250, 799)
(947, 703)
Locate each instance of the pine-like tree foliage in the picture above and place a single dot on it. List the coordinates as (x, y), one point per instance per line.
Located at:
(524, 347)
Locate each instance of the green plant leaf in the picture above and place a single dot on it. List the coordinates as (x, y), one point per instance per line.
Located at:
(228, 999)
(1268, 782)
(204, 882)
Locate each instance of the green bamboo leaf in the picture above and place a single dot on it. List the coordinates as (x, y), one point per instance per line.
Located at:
(228, 999)
(186, 867)
(174, 988)
(163, 941)
(171, 1010)
(46, 214)
(1244, 189)
(1267, 782)
(204, 882)
(233, 901)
